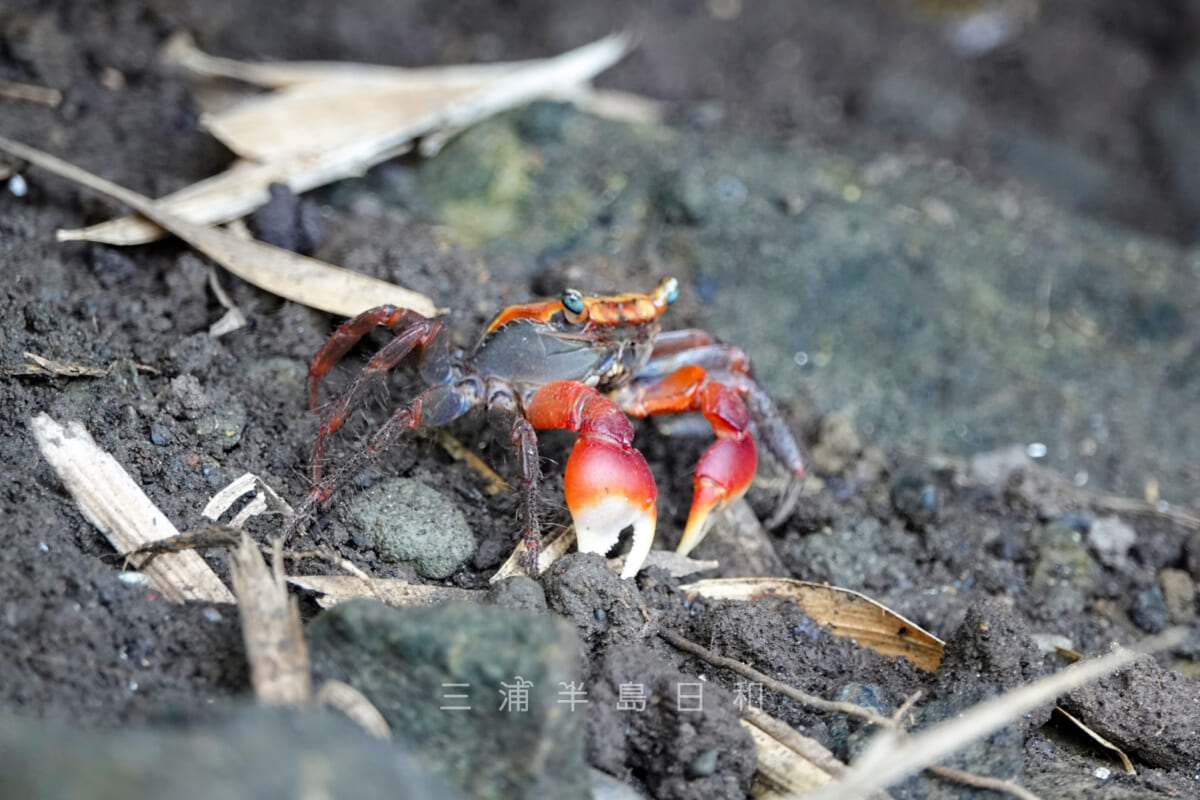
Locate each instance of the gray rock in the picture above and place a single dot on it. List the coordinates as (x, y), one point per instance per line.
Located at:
(1148, 711)
(1174, 120)
(400, 658)
(837, 445)
(247, 753)
(1063, 574)
(1148, 609)
(1111, 539)
(1179, 595)
(407, 521)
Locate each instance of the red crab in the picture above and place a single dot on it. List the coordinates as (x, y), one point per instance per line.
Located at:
(582, 363)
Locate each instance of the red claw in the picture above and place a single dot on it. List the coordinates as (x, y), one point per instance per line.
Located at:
(723, 475)
(608, 484)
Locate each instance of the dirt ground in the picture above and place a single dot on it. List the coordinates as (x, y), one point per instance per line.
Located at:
(992, 562)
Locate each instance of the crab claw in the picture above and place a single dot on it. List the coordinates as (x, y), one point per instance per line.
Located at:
(722, 476)
(609, 487)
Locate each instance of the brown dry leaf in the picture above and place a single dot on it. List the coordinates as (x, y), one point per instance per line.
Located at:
(115, 504)
(847, 613)
(1098, 739)
(282, 272)
(271, 627)
(336, 589)
(331, 121)
(551, 551)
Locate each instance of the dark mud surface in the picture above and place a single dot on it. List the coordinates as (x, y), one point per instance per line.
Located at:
(1001, 559)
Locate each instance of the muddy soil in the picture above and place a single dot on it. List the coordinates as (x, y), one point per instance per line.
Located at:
(1004, 564)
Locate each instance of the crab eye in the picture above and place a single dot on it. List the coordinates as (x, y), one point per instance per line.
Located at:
(671, 290)
(572, 301)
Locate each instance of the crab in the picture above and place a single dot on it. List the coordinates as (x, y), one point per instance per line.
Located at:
(584, 363)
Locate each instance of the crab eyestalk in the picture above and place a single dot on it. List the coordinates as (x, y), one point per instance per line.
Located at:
(608, 484)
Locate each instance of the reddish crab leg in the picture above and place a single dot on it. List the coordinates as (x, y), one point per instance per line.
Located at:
(608, 484)
(727, 466)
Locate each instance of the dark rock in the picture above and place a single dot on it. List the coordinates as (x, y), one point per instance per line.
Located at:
(287, 221)
(401, 659)
(579, 585)
(1148, 609)
(915, 499)
(246, 753)
(1148, 711)
(680, 754)
(519, 592)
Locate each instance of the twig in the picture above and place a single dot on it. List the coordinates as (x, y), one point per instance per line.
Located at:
(811, 700)
(1006, 785)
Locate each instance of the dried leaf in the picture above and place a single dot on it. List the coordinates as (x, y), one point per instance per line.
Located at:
(338, 120)
(551, 552)
(336, 589)
(112, 502)
(1098, 739)
(282, 272)
(783, 770)
(847, 613)
(271, 627)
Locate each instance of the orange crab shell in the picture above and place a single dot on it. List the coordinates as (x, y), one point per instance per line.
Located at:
(612, 309)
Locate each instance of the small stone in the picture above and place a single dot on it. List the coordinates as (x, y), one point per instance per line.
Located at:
(160, 434)
(1110, 539)
(408, 521)
(1149, 610)
(837, 445)
(703, 765)
(1179, 595)
(915, 499)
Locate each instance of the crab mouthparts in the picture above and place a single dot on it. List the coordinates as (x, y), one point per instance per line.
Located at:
(599, 526)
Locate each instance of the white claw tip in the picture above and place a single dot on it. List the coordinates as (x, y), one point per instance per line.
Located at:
(598, 527)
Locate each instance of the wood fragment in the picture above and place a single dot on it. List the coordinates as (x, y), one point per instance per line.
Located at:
(552, 550)
(271, 627)
(282, 272)
(336, 589)
(111, 500)
(31, 93)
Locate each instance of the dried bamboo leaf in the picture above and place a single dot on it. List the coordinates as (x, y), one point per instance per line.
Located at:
(271, 627)
(282, 272)
(29, 92)
(848, 614)
(112, 502)
(181, 51)
(336, 589)
(551, 552)
(1098, 739)
(321, 132)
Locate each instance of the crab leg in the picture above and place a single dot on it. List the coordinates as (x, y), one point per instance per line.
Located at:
(400, 320)
(727, 467)
(608, 483)
(419, 332)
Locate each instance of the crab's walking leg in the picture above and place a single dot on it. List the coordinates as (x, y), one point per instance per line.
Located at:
(420, 331)
(727, 466)
(432, 408)
(503, 404)
(350, 332)
(608, 483)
